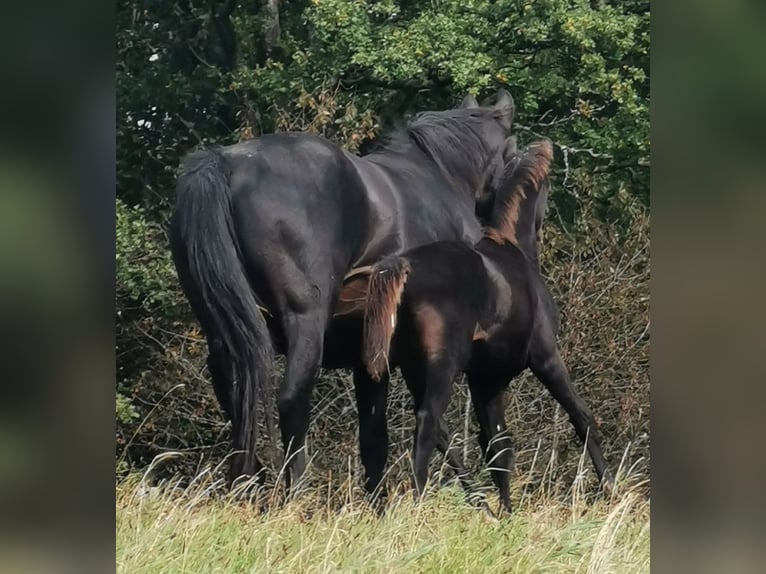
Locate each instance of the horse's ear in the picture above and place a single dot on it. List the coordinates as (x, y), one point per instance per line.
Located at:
(469, 102)
(506, 107)
(504, 99)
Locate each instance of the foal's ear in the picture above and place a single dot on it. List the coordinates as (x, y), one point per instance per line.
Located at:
(469, 102)
(511, 148)
(506, 107)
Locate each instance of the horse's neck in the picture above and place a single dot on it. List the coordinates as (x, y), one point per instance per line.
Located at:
(418, 183)
(410, 205)
(464, 178)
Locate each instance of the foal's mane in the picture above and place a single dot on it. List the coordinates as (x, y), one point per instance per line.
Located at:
(515, 209)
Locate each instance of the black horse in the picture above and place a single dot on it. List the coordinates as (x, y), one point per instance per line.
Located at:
(264, 233)
(445, 308)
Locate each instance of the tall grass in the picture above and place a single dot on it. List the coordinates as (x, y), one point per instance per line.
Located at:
(201, 528)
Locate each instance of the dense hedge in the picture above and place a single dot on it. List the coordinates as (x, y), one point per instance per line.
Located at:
(598, 274)
(189, 74)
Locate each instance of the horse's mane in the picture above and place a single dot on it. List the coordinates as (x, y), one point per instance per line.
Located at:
(514, 215)
(451, 138)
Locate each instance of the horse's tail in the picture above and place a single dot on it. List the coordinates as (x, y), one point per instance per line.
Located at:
(383, 296)
(203, 239)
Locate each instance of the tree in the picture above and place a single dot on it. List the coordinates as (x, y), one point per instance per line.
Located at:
(195, 72)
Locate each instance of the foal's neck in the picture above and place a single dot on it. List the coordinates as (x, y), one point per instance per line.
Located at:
(514, 213)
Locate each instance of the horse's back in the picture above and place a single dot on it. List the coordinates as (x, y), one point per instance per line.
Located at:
(292, 166)
(446, 270)
(299, 209)
(427, 206)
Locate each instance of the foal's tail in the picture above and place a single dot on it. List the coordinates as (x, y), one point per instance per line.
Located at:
(206, 255)
(383, 296)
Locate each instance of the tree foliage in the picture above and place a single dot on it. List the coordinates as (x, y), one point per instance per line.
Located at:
(192, 72)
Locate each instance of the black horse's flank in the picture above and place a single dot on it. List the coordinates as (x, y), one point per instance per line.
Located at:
(277, 223)
(445, 308)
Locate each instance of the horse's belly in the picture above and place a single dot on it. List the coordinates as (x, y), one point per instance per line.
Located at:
(343, 343)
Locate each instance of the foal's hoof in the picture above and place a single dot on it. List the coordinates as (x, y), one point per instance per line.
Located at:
(487, 515)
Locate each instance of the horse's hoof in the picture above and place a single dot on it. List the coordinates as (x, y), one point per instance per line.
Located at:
(607, 482)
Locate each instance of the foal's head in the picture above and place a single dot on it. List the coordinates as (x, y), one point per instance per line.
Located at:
(519, 207)
(466, 142)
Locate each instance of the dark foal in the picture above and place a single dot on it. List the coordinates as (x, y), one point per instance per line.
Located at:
(446, 308)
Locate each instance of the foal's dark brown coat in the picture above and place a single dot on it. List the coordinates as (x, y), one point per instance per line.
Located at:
(446, 307)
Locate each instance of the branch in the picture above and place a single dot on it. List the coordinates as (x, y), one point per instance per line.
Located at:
(624, 165)
(368, 80)
(190, 126)
(565, 148)
(200, 58)
(225, 30)
(271, 28)
(557, 121)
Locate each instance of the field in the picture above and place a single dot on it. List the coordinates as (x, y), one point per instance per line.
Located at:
(197, 529)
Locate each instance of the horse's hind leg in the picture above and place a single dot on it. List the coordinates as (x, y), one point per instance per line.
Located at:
(305, 337)
(549, 367)
(487, 395)
(371, 399)
(219, 367)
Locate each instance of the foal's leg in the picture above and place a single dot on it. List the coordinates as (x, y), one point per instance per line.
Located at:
(415, 379)
(305, 336)
(488, 403)
(453, 455)
(431, 387)
(547, 365)
(427, 428)
(371, 399)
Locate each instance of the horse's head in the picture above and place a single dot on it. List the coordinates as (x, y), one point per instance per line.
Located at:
(503, 112)
(466, 142)
(521, 201)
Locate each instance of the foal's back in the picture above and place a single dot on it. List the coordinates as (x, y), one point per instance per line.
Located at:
(448, 289)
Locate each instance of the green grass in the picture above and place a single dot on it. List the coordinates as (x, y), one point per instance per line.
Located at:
(198, 530)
